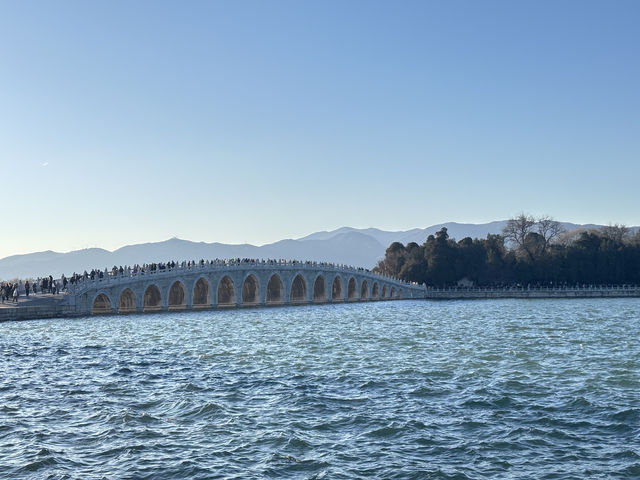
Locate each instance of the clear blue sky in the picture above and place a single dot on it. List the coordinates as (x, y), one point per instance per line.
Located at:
(252, 121)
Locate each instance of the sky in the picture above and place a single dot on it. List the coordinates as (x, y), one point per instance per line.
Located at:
(252, 121)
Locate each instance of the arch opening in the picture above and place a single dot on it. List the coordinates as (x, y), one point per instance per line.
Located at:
(127, 302)
(385, 292)
(393, 293)
(250, 291)
(177, 296)
(399, 295)
(152, 299)
(319, 290)
(298, 290)
(201, 296)
(275, 290)
(364, 291)
(101, 305)
(226, 292)
(375, 292)
(336, 290)
(352, 290)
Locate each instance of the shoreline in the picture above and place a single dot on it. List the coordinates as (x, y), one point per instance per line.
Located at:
(57, 306)
(624, 291)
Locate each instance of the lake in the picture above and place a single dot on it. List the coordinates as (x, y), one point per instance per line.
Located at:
(544, 389)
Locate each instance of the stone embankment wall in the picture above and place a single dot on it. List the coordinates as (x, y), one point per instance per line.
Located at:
(41, 311)
(481, 293)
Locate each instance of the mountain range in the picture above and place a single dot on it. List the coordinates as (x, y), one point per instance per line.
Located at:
(346, 245)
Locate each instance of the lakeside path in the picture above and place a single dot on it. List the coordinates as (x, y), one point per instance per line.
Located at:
(38, 300)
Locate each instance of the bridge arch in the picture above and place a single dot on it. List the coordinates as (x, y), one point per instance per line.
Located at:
(250, 290)
(375, 291)
(177, 296)
(319, 289)
(298, 290)
(337, 290)
(275, 290)
(399, 294)
(393, 292)
(364, 291)
(201, 293)
(352, 290)
(385, 292)
(152, 300)
(127, 301)
(101, 304)
(226, 292)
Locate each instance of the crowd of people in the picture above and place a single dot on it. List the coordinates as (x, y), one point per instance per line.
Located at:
(137, 269)
(11, 291)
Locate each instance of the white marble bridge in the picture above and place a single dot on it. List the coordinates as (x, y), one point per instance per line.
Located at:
(221, 284)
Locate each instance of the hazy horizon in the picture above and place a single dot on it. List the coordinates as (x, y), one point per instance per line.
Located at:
(159, 240)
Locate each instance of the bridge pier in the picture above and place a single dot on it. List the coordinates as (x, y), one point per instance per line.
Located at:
(287, 292)
(189, 299)
(213, 294)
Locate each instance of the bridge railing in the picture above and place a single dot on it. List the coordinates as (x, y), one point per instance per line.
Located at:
(532, 288)
(129, 274)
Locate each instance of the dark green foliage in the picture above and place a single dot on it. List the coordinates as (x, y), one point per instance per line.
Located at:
(607, 256)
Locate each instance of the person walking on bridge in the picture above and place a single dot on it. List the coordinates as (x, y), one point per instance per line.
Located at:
(15, 293)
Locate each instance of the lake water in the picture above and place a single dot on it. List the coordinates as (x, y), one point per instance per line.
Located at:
(540, 389)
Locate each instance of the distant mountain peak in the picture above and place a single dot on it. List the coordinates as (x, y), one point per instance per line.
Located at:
(361, 247)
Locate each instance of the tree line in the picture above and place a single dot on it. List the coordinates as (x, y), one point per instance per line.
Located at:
(529, 251)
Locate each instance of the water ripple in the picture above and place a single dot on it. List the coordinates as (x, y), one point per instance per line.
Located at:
(436, 390)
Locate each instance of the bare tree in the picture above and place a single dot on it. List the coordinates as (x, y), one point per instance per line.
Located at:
(569, 237)
(549, 229)
(531, 235)
(518, 228)
(616, 233)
